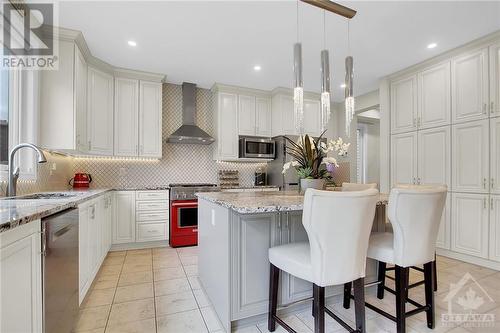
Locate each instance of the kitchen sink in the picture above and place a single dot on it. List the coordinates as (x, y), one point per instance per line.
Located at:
(39, 196)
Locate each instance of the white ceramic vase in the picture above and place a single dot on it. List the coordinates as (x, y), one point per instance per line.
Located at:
(305, 183)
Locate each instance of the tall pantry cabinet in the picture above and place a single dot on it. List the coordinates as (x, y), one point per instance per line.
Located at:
(445, 128)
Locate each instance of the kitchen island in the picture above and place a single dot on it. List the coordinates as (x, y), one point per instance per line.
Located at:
(235, 231)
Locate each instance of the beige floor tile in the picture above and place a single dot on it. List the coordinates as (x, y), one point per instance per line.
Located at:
(459, 270)
(127, 279)
(172, 286)
(462, 330)
(116, 254)
(191, 270)
(97, 330)
(138, 259)
(211, 319)
(131, 311)
(164, 250)
(419, 322)
(141, 326)
(92, 318)
(174, 303)
(330, 324)
(118, 260)
(168, 273)
(134, 292)
(189, 260)
(139, 252)
(139, 267)
(248, 329)
(188, 251)
(293, 321)
(185, 322)
(194, 282)
(483, 327)
(166, 262)
(201, 298)
(98, 297)
(111, 269)
(105, 284)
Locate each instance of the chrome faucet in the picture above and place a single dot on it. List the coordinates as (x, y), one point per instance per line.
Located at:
(14, 174)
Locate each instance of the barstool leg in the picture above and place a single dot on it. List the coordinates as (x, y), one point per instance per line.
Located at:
(359, 305)
(381, 279)
(319, 305)
(347, 295)
(401, 289)
(429, 293)
(274, 274)
(435, 274)
(314, 311)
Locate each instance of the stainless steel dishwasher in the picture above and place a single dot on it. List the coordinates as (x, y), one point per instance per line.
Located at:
(60, 271)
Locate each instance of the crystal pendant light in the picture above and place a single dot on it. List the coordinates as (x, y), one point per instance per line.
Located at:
(325, 82)
(349, 97)
(298, 86)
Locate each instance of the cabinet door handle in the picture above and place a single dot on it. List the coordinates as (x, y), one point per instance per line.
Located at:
(491, 203)
(419, 121)
(414, 122)
(484, 203)
(492, 183)
(492, 107)
(484, 108)
(484, 183)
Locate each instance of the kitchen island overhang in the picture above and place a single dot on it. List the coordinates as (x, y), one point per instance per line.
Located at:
(235, 231)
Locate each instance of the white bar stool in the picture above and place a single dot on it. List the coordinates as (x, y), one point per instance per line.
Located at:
(415, 214)
(338, 226)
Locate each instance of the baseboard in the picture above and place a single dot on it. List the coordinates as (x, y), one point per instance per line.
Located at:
(138, 246)
(469, 259)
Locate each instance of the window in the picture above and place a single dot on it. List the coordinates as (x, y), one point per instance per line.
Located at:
(4, 117)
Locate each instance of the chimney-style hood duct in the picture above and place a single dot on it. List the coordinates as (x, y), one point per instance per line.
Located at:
(189, 132)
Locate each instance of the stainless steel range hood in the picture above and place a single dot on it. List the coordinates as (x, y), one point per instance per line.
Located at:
(189, 132)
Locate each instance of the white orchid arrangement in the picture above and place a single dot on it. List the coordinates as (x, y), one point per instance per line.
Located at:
(311, 155)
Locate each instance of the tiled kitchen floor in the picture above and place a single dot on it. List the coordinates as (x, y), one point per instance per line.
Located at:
(157, 290)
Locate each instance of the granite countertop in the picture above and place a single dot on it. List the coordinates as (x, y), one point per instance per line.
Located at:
(262, 202)
(15, 212)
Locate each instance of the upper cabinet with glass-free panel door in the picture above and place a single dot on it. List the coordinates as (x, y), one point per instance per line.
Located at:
(469, 86)
(126, 117)
(150, 119)
(404, 158)
(404, 104)
(495, 80)
(434, 107)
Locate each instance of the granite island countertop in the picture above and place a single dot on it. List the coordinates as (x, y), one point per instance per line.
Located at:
(263, 202)
(16, 212)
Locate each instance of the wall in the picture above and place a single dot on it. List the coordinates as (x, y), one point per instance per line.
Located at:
(372, 133)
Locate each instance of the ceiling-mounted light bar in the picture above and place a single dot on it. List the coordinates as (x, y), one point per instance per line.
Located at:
(332, 7)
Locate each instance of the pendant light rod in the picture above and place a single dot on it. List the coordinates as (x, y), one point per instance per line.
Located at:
(332, 7)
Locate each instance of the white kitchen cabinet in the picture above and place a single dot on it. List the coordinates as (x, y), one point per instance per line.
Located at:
(95, 237)
(495, 80)
(21, 279)
(263, 116)
(434, 156)
(469, 86)
(470, 157)
(152, 215)
(226, 113)
(312, 117)
(63, 97)
(108, 221)
(83, 250)
(444, 234)
(434, 107)
(404, 104)
(404, 158)
(124, 217)
(126, 117)
(495, 227)
(282, 115)
(495, 155)
(246, 115)
(470, 224)
(150, 119)
(100, 112)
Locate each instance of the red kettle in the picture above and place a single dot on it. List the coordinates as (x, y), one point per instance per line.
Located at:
(81, 180)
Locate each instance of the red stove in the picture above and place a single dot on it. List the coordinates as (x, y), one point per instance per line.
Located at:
(184, 213)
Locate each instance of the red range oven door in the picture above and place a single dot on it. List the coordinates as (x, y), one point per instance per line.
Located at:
(184, 223)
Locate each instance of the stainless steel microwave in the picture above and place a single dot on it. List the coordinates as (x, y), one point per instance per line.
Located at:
(252, 147)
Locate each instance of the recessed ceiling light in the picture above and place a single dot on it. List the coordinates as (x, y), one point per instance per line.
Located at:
(342, 85)
(132, 43)
(432, 45)
(257, 68)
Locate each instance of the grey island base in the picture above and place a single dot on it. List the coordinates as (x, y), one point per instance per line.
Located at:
(235, 231)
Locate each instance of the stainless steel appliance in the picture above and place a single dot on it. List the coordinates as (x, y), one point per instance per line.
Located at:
(60, 271)
(184, 212)
(289, 180)
(252, 147)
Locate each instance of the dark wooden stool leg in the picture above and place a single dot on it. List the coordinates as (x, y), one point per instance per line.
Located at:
(435, 274)
(319, 305)
(273, 297)
(401, 289)
(429, 293)
(381, 279)
(347, 295)
(359, 304)
(314, 310)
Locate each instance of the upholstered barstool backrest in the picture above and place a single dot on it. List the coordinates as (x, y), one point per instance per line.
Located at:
(348, 187)
(338, 226)
(415, 214)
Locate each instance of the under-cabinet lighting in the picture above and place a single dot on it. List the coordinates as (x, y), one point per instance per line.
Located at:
(432, 45)
(132, 43)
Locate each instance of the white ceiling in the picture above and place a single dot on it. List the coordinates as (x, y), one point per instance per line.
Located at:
(208, 41)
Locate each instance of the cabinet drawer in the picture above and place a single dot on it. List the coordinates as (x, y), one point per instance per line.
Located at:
(151, 216)
(151, 231)
(151, 205)
(151, 195)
